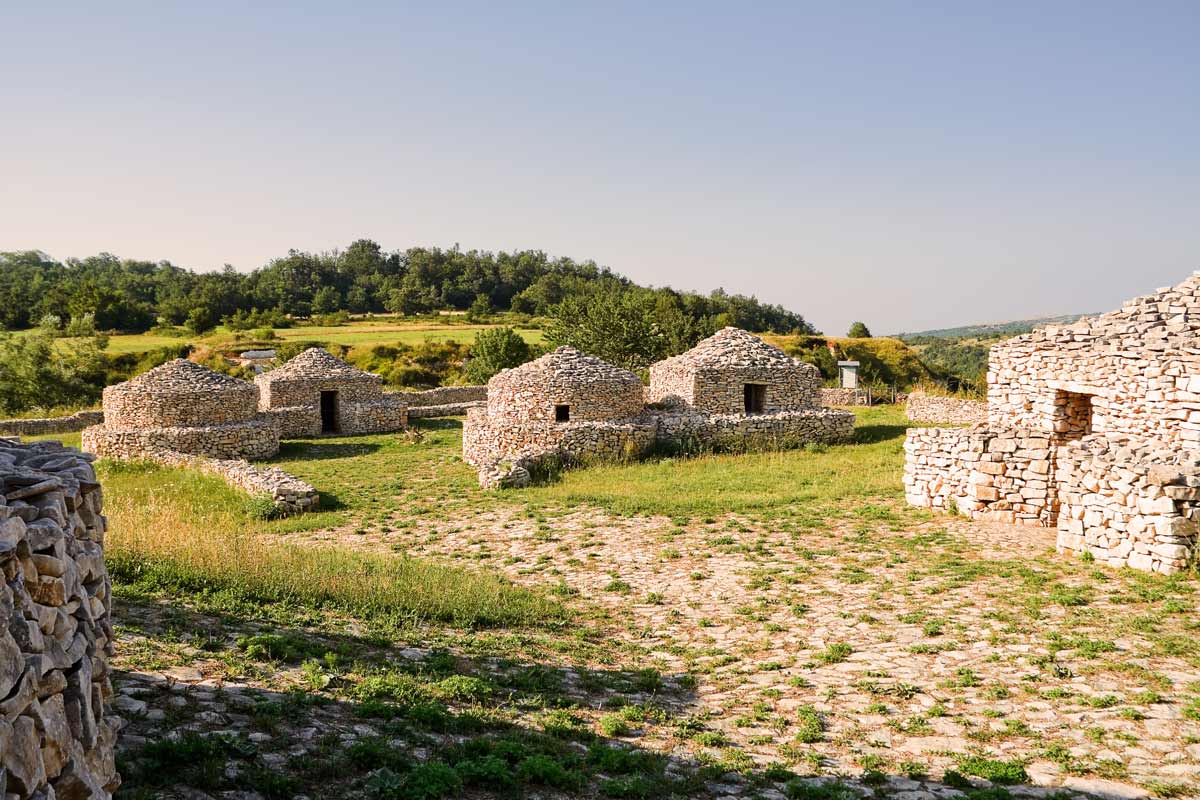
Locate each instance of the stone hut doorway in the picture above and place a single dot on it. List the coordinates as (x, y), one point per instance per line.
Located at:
(1072, 415)
(755, 395)
(329, 412)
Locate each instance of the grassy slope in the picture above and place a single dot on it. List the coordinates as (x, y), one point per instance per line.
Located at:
(352, 334)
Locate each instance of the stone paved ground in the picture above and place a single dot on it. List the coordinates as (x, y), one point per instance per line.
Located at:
(909, 641)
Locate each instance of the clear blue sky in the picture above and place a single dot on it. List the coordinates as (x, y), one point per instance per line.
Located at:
(911, 164)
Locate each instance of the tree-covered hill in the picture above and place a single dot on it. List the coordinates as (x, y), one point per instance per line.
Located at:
(132, 296)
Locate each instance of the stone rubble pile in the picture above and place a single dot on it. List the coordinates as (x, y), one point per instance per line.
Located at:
(922, 407)
(56, 740)
(1117, 397)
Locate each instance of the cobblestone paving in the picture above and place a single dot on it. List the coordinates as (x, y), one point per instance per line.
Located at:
(915, 640)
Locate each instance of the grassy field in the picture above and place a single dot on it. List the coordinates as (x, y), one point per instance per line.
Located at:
(757, 625)
(352, 334)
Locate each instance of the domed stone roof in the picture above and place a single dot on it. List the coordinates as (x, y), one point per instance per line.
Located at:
(179, 393)
(734, 347)
(316, 363)
(181, 376)
(567, 363)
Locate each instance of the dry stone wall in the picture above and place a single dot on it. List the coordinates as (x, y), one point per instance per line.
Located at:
(56, 739)
(923, 407)
(1003, 476)
(256, 438)
(287, 493)
(842, 397)
(1129, 505)
(589, 388)
(41, 426)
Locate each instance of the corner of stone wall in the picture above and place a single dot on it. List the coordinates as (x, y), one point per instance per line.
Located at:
(56, 738)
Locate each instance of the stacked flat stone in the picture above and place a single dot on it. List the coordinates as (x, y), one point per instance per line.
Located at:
(710, 377)
(1128, 503)
(55, 737)
(41, 426)
(287, 493)
(184, 407)
(922, 407)
(291, 394)
(445, 401)
(608, 419)
(1118, 397)
(999, 475)
(841, 397)
(1140, 365)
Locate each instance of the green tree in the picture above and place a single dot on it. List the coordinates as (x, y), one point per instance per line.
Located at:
(495, 349)
(37, 372)
(480, 310)
(620, 327)
(859, 330)
(327, 300)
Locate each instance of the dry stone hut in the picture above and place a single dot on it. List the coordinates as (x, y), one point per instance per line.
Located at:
(732, 390)
(565, 402)
(183, 407)
(316, 393)
(735, 372)
(1093, 428)
(184, 414)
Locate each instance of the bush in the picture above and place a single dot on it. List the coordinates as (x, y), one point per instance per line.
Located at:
(495, 349)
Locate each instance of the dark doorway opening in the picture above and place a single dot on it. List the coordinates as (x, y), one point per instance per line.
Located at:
(1072, 415)
(562, 413)
(755, 395)
(329, 412)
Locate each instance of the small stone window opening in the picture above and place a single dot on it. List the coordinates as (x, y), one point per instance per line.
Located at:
(1073, 415)
(755, 395)
(562, 413)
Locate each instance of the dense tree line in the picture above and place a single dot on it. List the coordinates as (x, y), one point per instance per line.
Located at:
(133, 296)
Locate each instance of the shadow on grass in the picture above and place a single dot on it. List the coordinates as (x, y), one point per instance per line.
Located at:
(367, 717)
(322, 449)
(873, 434)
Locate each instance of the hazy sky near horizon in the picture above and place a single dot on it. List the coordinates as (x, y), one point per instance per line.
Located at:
(911, 165)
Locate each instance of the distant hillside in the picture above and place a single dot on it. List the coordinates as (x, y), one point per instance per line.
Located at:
(990, 330)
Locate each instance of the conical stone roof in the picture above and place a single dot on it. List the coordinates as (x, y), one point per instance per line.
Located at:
(734, 347)
(316, 363)
(567, 365)
(181, 376)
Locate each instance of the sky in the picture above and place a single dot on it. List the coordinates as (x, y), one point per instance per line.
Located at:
(911, 165)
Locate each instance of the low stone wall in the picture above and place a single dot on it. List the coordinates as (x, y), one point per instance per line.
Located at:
(442, 396)
(447, 410)
(288, 494)
(505, 453)
(923, 407)
(842, 397)
(296, 422)
(56, 639)
(37, 427)
(1129, 505)
(777, 431)
(255, 438)
(1003, 476)
(384, 415)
